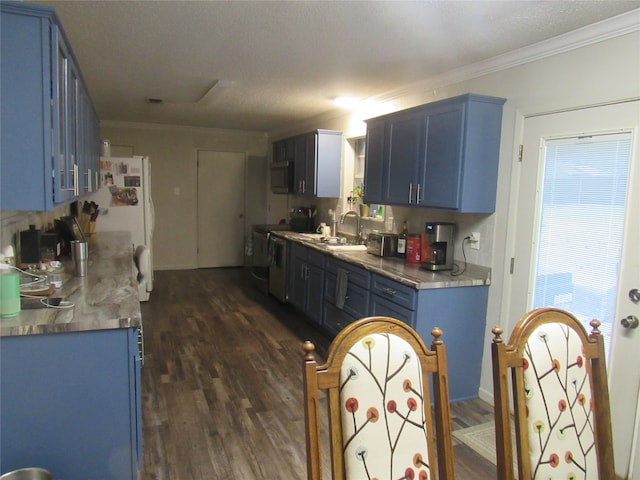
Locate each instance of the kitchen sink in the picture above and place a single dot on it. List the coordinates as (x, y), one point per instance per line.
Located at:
(340, 247)
(345, 247)
(312, 236)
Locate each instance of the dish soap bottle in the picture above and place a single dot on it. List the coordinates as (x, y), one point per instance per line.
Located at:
(402, 241)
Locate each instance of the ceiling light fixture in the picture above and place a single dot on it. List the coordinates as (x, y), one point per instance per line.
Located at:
(346, 102)
(218, 85)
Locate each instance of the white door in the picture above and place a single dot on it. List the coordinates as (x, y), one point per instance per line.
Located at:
(221, 194)
(546, 266)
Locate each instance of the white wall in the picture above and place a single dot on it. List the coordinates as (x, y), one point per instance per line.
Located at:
(172, 150)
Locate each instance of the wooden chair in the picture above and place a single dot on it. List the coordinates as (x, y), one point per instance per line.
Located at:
(376, 378)
(560, 399)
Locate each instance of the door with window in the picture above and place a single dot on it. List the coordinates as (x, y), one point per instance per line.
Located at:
(575, 228)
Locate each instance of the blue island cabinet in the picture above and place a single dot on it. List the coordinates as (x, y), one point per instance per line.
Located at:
(71, 404)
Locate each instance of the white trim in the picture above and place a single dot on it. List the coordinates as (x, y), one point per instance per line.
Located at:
(182, 128)
(619, 25)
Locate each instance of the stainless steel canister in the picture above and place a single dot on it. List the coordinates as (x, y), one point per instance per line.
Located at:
(80, 257)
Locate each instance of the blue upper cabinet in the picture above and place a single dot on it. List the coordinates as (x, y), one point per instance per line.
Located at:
(317, 158)
(439, 155)
(49, 129)
(373, 166)
(404, 168)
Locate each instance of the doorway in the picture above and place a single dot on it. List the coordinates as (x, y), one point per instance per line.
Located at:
(575, 229)
(221, 208)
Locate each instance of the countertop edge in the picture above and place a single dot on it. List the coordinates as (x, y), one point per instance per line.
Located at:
(105, 299)
(411, 275)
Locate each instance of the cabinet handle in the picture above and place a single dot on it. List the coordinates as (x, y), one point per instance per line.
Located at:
(76, 183)
(389, 291)
(410, 192)
(418, 194)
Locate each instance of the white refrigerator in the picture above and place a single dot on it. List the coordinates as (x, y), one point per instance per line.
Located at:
(124, 204)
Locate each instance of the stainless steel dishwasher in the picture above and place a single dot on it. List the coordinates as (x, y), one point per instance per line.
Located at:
(278, 268)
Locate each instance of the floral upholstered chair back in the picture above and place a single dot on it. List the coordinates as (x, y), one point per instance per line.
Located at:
(556, 396)
(380, 403)
(383, 412)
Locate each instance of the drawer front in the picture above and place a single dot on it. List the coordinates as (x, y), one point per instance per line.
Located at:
(357, 276)
(316, 258)
(394, 291)
(382, 307)
(356, 301)
(335, 319)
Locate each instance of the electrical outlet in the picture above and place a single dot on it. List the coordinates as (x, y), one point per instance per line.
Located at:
(474, 239)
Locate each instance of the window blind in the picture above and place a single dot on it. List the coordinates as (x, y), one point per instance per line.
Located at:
(581, 221)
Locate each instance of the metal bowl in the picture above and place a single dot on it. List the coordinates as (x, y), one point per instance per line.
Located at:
(27, 474)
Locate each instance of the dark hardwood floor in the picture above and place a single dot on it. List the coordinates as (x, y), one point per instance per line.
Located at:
(222, 383)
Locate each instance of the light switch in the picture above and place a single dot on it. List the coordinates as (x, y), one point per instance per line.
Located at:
(176, 191)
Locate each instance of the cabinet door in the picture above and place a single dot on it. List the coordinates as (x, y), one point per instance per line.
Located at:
(443, 165)
(25, 105)
(315, 293)
(278, 152)
(383, 307)
(405, 156)
(374, 162)
(70, 403)
(64, 186)
(310, 158)
(299, 148)
(74, 128)
(335, 319)
(356, 302)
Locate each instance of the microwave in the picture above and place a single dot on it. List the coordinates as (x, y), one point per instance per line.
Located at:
(282, 177)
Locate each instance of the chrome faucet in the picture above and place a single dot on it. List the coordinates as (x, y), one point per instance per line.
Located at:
(353, 213)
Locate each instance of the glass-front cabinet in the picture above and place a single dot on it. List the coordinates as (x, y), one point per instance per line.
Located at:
(50, 131)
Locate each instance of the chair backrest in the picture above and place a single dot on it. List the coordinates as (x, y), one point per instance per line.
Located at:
(559, 396)
(380, 419)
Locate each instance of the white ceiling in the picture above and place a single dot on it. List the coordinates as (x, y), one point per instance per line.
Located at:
(288, 60)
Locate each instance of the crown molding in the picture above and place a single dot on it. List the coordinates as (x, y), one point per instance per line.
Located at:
(182, 128)
(617, 26)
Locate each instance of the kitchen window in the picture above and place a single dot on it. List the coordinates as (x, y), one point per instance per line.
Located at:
(376, 212)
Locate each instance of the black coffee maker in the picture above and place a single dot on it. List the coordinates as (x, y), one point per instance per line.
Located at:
(302, 219)
(439, 239)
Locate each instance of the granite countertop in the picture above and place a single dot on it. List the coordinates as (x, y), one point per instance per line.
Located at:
(106, 298)
(397, 269)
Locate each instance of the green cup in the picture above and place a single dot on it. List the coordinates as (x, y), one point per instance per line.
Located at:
(9, 294)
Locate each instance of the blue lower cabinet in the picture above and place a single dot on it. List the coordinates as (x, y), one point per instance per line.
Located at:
(382, 307)
(344, 305)
(459, 311)
(335, 319)
(306, 280)
(71, 403)
(461, 314)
